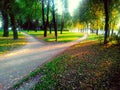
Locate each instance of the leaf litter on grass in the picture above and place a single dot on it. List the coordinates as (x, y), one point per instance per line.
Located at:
(85, 66)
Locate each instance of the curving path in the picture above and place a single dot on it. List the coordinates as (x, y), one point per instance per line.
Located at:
(18, 63)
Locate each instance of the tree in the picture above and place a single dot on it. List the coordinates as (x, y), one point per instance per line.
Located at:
(13, 24)
(29, 15)
(12, 14)
(54, 20)
(43, 18)
(5, 23)
(65, 17)
(48, 10)
(4, 11)
(106, 21)
(45, 14)
(88, 13)
(9, 9)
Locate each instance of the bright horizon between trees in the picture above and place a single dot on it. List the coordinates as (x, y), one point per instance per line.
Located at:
(72, 5)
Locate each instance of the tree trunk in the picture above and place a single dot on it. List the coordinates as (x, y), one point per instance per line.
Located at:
(50, 28)
(113, 28)
(28, 24)
(97, 29)
(47, 22)
(5, 25)
(106, 21)
(97, 32)
(13, 24)
(62, 25)
(43, 19)
(54, 20)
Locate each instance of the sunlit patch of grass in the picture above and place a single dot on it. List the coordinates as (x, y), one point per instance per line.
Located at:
(34, 33)
(95, 37)
(8, 44)
(65, 37)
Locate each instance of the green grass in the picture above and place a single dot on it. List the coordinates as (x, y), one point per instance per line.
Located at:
(51, 71)
(95, 37)
(65, 37)
(8, 44)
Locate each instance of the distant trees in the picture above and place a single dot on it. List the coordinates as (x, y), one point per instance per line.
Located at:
(98, 13)
(65, 17)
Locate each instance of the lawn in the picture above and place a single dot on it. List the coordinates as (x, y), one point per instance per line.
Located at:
(65, 37)
(8, 44)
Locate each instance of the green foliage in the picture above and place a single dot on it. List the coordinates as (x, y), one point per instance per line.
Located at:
(29, 9)
(93, 12)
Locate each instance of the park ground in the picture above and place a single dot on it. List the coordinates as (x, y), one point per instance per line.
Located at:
(84, 66)
(88, 65)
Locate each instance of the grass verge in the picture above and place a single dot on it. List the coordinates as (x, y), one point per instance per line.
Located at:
(8, 44)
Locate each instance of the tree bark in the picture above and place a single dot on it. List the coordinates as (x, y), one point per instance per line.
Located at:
(62, 25)
(43, 18)
(50, 28)
(47, 22)
(13, 24)
(106, 21)
(54, 20)
(97, 31)
(5, 23)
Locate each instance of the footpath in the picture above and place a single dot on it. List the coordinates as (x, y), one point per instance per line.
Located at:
(20, 62)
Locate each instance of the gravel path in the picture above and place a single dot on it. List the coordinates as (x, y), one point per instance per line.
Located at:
(18, 63)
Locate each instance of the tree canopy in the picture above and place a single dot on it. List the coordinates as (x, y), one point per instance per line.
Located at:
(96, 15)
